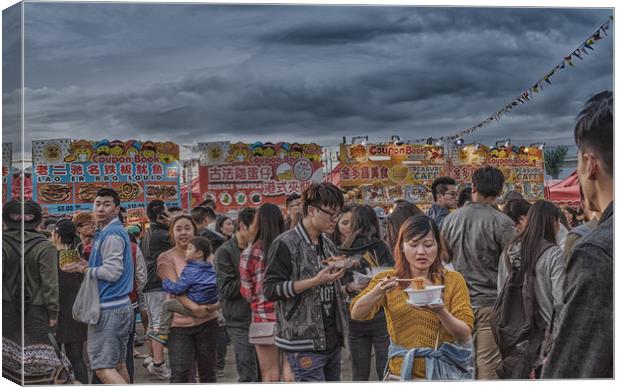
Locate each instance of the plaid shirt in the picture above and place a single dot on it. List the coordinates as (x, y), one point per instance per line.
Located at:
(252, 269)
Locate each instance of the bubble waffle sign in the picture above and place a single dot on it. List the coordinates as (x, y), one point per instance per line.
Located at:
(240, 174)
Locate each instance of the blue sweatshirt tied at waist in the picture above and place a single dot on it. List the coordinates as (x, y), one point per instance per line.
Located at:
(197, 281)
(449, 362)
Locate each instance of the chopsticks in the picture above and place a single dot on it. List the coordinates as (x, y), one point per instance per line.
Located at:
(399, 279)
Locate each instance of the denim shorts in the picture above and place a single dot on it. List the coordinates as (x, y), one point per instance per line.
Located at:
(107, 340)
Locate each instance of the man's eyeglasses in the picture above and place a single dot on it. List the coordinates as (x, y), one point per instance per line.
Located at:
(332, 215)
(453, 194)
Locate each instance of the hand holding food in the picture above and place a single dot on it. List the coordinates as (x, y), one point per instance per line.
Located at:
(77, 267)
(329, 274)
(339, 262)
(387, 284)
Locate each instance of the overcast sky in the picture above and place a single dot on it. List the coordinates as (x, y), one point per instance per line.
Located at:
(203, 72)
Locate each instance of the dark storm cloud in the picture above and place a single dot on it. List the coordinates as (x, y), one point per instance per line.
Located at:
(208, 73)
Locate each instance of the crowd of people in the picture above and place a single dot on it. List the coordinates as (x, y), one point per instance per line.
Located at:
(527, 287)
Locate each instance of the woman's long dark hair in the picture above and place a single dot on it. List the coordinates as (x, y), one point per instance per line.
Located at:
(364, 224)
(269, 224)
(403, 211)
(337, 236)
(415, 228)
(541, 221)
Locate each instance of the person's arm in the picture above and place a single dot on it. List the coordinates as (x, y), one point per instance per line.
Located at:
(368, 303)
(278, 284)
(165, 267)
(557, 274)
(141, 273)
(48, 270)
(228, 282)
(179, 286)
(198, 310)
(112, 252)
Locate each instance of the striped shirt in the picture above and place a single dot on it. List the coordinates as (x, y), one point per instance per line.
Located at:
(252, 269)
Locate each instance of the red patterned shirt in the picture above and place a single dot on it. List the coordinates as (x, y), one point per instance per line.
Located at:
(252, 269)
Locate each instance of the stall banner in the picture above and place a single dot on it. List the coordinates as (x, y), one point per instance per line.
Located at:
(380, 174)
(7, 171)
(68, 173)
(523, 167)
(241, 175)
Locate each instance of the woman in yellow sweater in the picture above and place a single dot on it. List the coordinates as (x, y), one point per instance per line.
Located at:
(416, 255)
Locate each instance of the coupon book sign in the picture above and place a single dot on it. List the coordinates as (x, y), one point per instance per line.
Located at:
(523, 167)
(68, 173)
(380, 174)
(248, 175)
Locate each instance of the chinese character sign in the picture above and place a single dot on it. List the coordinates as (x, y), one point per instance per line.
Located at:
(7, 173)
(67, 174)
(240, 175)
(383, 173)
(523, 167)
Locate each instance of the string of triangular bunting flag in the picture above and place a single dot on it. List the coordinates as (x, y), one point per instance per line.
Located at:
(528, 94)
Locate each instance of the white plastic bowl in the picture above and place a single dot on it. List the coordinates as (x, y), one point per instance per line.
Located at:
(430, 295)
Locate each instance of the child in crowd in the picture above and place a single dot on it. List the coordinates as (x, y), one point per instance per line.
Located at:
(197, 282)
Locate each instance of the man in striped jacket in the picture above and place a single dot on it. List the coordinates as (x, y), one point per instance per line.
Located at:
(311, 309)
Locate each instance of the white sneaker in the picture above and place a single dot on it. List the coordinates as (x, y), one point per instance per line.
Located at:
(147, 361)
(162, 372)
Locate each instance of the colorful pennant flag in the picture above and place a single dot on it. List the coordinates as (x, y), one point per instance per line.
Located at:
(526, 95)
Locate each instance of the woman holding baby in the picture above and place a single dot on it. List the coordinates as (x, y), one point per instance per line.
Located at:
(416, 254)
(192, 338)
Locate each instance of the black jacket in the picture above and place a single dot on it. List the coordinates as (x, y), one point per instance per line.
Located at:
(235, 308)
(583, 345)
(364, 249)
(155, 242)
(293, 257)
(216, 239)
(69, 330)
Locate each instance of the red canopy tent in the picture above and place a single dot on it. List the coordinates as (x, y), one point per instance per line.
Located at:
(334, 176)
(565, 191)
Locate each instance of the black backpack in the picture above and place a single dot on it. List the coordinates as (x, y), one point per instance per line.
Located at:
(516, 323)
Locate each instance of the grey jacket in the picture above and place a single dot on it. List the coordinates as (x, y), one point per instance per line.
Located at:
(584, 340)
(549, 278)
(300, 322)
(477, 234)
(40, 268)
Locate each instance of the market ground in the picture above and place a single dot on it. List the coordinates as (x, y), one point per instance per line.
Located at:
(230, 374)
